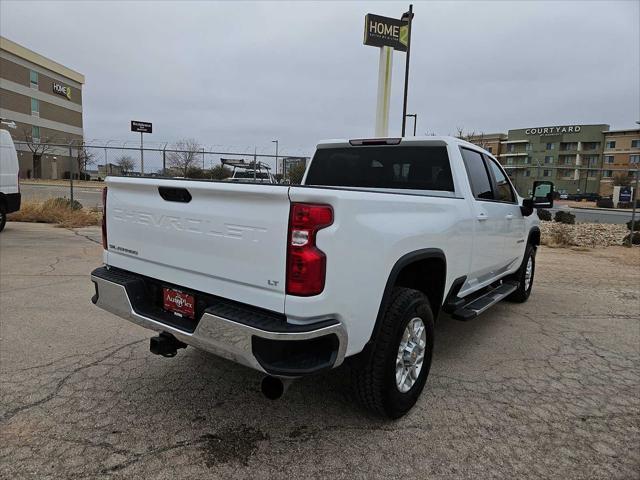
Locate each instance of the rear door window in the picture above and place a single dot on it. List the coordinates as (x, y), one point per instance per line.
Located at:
(396, 167)
(504, 192)
(478, 174)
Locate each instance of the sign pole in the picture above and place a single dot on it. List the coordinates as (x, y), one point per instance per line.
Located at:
(409, 17)
(384, 91)
(141, 155)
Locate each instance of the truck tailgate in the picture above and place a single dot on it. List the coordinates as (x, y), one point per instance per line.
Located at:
(227, 240)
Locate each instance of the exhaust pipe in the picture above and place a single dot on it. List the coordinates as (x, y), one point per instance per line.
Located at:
(166, 345)
(274, 387)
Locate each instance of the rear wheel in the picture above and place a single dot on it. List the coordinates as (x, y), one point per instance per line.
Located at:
(389, 378)
(524, 276)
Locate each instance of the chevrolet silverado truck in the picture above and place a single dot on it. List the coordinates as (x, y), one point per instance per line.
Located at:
(356, 263)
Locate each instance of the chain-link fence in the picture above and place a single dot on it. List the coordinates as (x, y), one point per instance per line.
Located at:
(76, 171)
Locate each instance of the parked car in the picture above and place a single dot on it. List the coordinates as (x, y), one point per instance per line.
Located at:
(356, 263)
(9, 178)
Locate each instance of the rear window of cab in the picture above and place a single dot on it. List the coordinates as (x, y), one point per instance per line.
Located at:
(397, 167)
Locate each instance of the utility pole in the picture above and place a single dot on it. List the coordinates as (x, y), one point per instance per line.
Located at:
(408, 17)
(634, 199)
(415, 121)
(276, 142)
(141, 156)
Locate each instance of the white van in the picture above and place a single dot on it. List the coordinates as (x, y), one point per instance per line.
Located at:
(9, 171)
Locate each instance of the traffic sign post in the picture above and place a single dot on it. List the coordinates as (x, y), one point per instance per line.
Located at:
(142, 127)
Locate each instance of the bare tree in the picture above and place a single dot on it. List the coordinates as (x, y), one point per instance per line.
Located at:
(85, 159)
(126, 164)
(622, 180)
(37, 146)
(184, 159)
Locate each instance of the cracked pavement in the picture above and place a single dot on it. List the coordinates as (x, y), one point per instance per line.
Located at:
(545, 389)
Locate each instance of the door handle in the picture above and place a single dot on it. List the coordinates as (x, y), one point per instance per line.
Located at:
(482, 216)
(510, 216)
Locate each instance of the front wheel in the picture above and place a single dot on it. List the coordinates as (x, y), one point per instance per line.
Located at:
(389, 377)
(3, 220)
(524, 276)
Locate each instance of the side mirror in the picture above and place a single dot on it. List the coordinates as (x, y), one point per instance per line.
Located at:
(542, 194)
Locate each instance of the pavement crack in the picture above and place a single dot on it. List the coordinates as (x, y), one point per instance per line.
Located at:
(12, 413)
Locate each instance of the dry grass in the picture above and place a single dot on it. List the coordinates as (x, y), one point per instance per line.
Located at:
(55, 211)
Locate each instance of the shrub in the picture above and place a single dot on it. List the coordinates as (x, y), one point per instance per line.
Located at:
(56, 210)
(565, 217)
(544, 214)
(62, 202)
(636, 238)
(604, 203)
(636, 227)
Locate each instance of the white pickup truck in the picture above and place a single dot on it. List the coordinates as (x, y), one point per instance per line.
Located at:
(355, 263)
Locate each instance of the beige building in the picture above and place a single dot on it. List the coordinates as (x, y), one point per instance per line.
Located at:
(621, 157)
(491, 142)
(44, 99)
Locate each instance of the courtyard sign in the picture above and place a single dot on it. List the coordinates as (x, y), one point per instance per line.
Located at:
(553, 130)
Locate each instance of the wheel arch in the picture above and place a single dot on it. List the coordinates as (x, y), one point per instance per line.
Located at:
(424, 270)
(534, 237)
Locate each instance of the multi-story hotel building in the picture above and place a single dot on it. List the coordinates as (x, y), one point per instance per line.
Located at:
(44, 99)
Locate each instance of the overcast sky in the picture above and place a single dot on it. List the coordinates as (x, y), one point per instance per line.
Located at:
(244, 73)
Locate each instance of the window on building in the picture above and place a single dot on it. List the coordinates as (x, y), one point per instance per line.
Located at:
(635, 143)
(35, 107)
(478, 175)
(527, 173)
(550, 146)
(526, 160)
(509, 160)
(568, 146)
(590, 145)
(35, 133)
(608, 159)
(33, 79)
(611, 144)
(607, 173)
(548, 159)
(490, 149)
(527, 147)
(546, 173)
(505, 192)
(511, 148)
(634, 158)
(592, 173)
(567, 159)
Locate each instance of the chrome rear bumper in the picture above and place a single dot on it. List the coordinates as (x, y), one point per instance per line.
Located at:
(215, 334)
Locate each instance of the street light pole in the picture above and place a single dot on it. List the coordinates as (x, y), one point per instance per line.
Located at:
(276, 142)
(415, 121)
(408, 17)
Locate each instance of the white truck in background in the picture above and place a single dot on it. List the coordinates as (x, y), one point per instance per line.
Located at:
(9, 175)
(356, 263)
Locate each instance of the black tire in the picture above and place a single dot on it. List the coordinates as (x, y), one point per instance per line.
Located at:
(521, 295)
(3, 219)
(373, 372)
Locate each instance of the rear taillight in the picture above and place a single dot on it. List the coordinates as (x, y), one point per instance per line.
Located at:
(306, 263)
(104, 218)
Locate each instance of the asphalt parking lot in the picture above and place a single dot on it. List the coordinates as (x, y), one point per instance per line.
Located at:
(545, 389)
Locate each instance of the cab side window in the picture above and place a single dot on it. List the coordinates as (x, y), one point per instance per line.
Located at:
(504, 192)
(478, 174)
